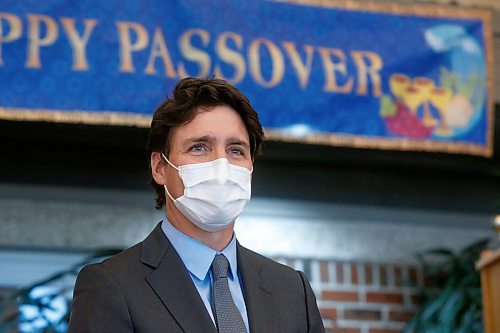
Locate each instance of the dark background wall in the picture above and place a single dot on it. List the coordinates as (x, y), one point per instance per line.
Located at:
(115, 157)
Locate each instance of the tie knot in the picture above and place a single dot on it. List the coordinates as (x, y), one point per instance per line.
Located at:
(220, 266)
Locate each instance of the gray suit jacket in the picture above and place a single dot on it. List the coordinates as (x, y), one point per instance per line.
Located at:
(146, 288)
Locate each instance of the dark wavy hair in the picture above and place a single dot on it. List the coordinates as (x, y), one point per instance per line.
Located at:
(190, 96)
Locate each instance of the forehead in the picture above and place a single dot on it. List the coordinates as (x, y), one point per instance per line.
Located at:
(220, 122)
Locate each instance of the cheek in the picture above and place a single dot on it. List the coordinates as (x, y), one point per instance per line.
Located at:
(246, 164)
(249, 165)
(174, 183)
(241, 162)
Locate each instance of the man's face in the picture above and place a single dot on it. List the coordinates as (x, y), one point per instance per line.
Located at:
(212, 134)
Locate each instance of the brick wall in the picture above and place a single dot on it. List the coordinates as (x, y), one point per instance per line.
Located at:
(362, 297)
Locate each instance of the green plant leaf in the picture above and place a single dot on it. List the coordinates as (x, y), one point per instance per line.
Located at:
(454, 303)
(433, 308)
(452, 308)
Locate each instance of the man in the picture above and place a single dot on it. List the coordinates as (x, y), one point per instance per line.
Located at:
(190, 274)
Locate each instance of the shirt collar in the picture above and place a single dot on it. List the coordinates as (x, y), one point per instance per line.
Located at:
(196, 256)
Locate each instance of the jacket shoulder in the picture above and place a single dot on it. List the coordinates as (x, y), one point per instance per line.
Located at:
(272, 266)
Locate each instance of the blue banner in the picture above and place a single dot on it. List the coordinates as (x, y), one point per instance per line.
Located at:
(356, 74)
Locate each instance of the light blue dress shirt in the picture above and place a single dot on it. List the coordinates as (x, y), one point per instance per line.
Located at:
(197, 257)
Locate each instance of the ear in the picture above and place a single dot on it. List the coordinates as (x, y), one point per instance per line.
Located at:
(157, 168)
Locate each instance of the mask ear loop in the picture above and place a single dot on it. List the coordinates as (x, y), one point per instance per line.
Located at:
(165, 186)
(173, 166)
(168, 193)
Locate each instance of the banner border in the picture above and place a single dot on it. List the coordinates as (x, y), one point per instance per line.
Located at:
(143, 121)
(111, 118)
(396, 144)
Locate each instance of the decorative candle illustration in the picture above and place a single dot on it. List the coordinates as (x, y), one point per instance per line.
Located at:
(440, 98)
(425, 86)
(398, 84)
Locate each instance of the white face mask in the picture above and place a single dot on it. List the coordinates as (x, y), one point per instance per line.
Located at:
(215, 193)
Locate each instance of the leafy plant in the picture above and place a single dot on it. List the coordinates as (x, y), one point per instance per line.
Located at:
(451, 302)
(44, 306)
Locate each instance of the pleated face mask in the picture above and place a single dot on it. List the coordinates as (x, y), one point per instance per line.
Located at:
(215, 192)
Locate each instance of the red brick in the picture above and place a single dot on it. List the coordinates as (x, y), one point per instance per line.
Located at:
(339, 267)
(383, 330)
(354, 274)
(398, 276)
(393, 298)
(368, 274)
(323, 271)
(401, 316)
(329, 313)
(337, 295)
(361, 314)
(413, 276)
(383, 275)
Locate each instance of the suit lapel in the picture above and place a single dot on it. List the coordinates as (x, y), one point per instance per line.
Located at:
(171, 282)
(258, 294)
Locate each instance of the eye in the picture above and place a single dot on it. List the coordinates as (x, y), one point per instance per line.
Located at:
(236, 151)
(198, 148)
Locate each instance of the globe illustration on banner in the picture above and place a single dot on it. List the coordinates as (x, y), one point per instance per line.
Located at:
(445, 107)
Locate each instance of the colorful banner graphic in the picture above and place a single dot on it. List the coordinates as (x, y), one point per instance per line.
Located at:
(357, 74)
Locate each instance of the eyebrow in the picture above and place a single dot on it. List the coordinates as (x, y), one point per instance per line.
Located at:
(211, 139)
(237, 141)
(204, 138)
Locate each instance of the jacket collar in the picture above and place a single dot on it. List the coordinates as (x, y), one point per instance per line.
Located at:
(258, 293)
(172, 284)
